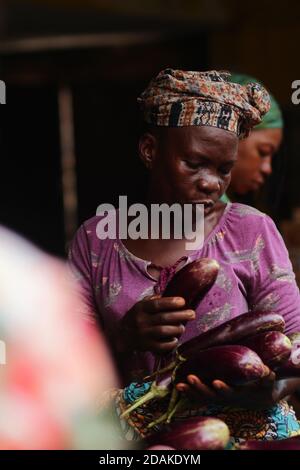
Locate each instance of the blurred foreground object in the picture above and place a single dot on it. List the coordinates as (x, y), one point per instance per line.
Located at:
(53, 364)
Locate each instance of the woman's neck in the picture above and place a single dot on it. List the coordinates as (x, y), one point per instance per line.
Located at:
(165, 252)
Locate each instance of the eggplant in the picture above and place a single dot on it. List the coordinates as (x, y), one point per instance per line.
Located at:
(291, 368)
(230, 332)
(160, 447)
(234, 364)
(291, 443)
(233, 331)
(193, 281)
(273, 347)
(198, 433)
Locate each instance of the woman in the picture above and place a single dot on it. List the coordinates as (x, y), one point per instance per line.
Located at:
(255, 154)
(195, 120)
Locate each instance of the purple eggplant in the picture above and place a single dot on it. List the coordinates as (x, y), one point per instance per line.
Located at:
(193, 281)
(291, 368)
(160, 447)
(233, 364)
(273, 347)
(233, 331)
(228, 333)
(199, 433)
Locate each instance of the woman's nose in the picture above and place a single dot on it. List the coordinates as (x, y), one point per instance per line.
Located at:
(266, 166)
(209, 184)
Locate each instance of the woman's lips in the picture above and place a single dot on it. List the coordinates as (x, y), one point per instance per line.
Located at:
(207, 205)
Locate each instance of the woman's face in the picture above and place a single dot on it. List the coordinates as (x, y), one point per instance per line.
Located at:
(189, 164)
(254, 162)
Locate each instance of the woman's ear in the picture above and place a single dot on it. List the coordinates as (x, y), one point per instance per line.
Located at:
(148, 147)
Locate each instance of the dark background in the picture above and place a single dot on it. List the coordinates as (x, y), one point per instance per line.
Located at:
(103, 54)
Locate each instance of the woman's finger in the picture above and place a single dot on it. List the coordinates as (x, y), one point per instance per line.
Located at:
(182, 387)
(161, 347)
(222, 388)
(162, 304)
(269, 380)
(165, 331)
(200, 386)
(173, 318)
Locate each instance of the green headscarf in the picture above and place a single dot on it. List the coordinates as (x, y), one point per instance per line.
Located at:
(273, 119)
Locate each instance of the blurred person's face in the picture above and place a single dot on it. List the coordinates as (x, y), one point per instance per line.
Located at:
(254, 162)
(189, 164)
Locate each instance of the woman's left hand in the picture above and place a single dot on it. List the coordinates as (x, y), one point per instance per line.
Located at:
(263, 394)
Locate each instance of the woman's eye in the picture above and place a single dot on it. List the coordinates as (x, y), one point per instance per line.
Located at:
(192, 165)
(225, 171)
(265, 152)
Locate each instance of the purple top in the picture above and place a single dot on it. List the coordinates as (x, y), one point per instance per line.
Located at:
(255, 273)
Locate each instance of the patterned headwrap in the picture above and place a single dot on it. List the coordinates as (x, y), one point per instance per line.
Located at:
(177, 98)
(273, 119)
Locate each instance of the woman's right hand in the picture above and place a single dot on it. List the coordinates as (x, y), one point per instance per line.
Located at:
(155, 324)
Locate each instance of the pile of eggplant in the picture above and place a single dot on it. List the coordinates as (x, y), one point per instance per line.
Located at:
(238, 352)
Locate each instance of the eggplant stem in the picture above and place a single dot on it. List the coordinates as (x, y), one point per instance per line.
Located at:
(167, 416)
(173, 400)
(147, 397)
(154, 392)
(157, 365)
(175, 409)
(178, 360)
(161, 371)
(159, 420)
